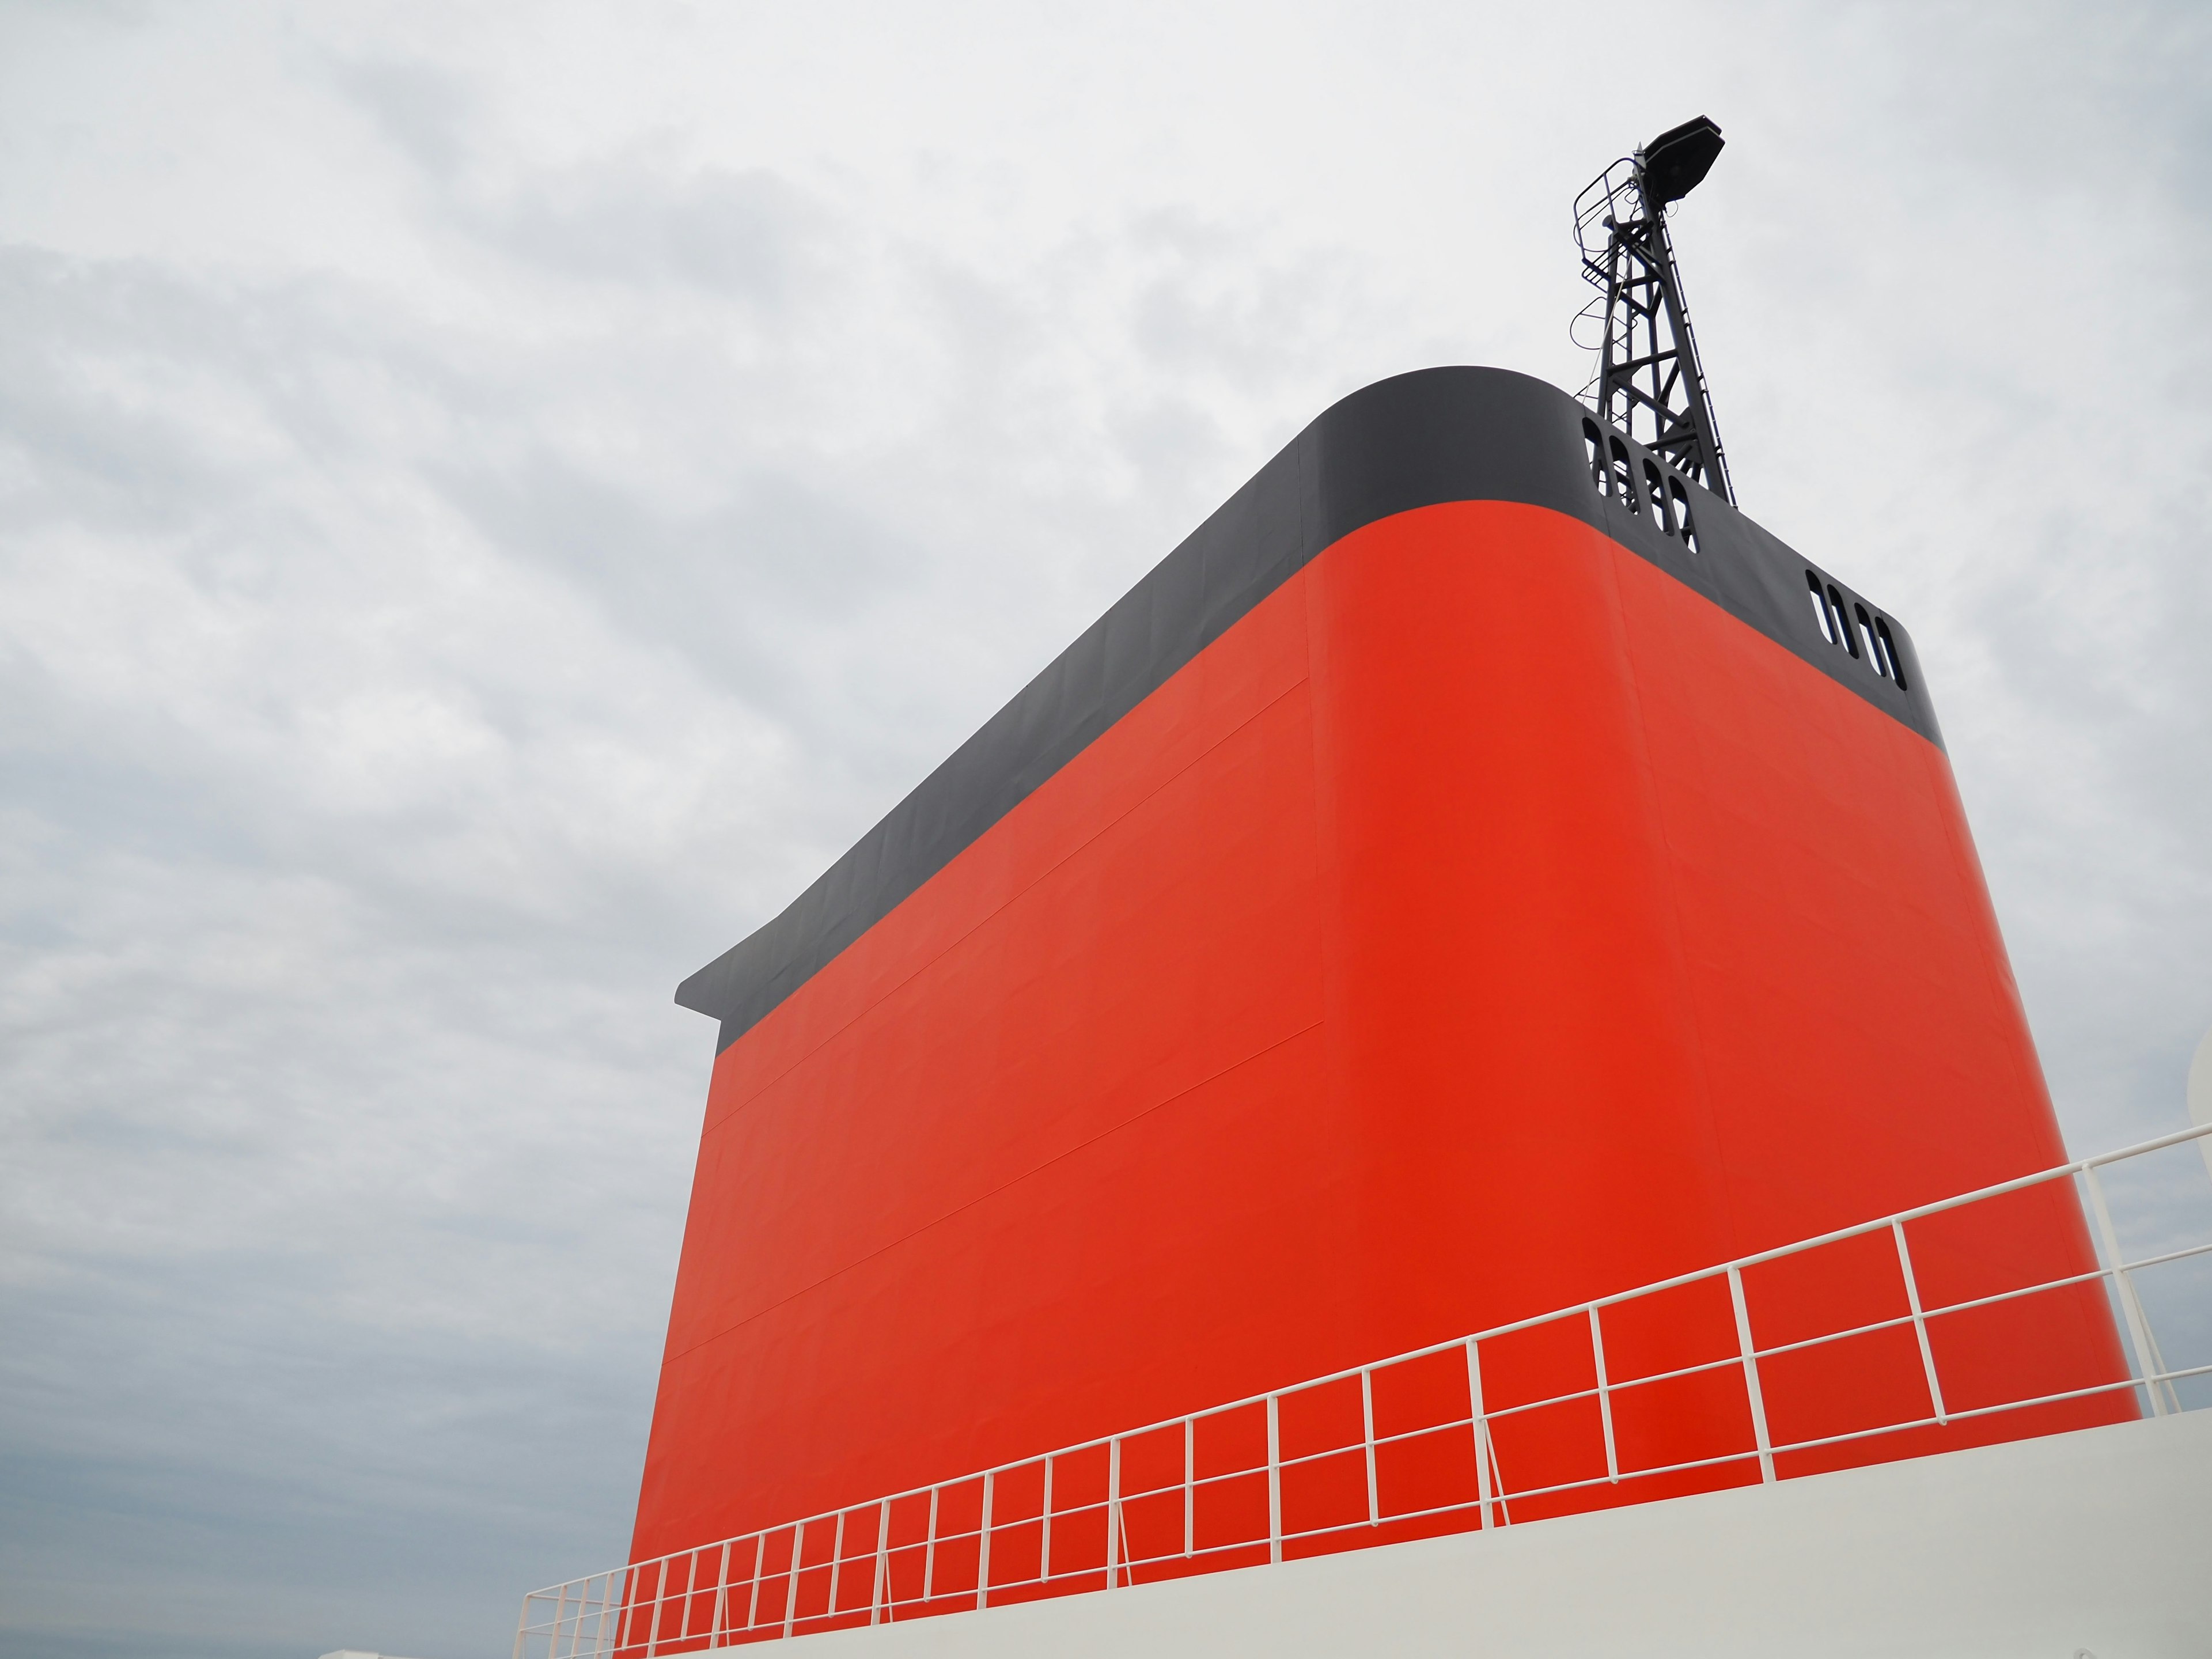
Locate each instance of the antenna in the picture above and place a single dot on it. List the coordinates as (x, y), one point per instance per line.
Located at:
(1648, 375)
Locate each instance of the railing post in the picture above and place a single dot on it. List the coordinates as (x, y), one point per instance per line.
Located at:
(522, 1624)
(983, 1551)
(791, 1590)
(610, 1608)
(1113, 1506)
(1751, 1376)
(929, 1553)
(760, 1557)
(1919, 1322)
(1479, 1426)
(1604, 1397)
(1189, 1485)
(1367, 1429)
(659, 1596)
(721, 1595)
(1044, 1538)
(881, 1589)
(2148, 1362)
(836, 1560)
(560, 1603)
(1274, 1482)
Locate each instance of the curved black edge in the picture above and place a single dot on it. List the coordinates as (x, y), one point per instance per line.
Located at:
(1418, 439)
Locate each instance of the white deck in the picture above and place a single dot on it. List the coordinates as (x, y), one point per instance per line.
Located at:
(2097, 1542)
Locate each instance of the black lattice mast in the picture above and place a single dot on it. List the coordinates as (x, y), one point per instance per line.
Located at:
(1648, 383)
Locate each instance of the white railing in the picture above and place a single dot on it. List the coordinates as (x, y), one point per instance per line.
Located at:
(1208, 1490)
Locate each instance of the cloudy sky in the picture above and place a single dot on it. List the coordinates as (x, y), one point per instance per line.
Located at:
(493, 498)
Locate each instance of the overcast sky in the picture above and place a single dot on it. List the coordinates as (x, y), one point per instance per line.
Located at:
(493, 499)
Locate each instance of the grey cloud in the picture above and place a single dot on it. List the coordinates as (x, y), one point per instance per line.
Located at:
(745, 235)
(384, 750)
(424, 111)
(725, 584)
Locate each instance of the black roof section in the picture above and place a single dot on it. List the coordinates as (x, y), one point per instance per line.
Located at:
(1415, 441)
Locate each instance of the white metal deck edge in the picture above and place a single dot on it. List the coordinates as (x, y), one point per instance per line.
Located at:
(2098, 1542)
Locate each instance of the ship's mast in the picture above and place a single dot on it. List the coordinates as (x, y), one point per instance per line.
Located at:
(1648, 383)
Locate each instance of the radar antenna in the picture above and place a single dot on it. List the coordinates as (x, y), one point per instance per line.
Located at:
(1648, 382)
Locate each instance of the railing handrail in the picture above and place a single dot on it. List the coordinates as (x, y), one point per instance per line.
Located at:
(619, 1581)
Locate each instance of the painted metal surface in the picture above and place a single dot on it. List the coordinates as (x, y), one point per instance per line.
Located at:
(1488, 918)
(1416, 440)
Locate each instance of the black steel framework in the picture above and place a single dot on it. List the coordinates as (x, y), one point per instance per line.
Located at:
(1648, 383)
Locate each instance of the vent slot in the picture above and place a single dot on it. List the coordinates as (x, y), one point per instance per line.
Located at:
(1623, 478)
(1685, 527)
(1865, 634)
(1843, 618)
(1613, 475)
(1826, 618)
(1873, 645)
(1889, 651)
(1657, 492)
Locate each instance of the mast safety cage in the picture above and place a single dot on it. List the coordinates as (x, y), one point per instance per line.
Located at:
(1649, 382)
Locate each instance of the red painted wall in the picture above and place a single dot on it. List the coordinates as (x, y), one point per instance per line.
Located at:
(1484, 922)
